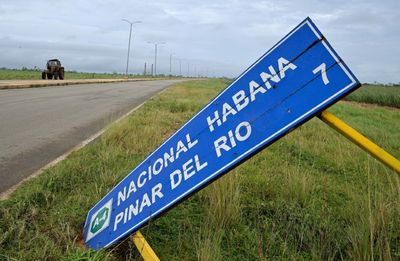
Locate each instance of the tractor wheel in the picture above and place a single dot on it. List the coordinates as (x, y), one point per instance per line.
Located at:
(61, 74)
(43, 75)
(49, 76)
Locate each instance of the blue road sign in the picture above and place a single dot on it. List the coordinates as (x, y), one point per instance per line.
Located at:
(295, 80)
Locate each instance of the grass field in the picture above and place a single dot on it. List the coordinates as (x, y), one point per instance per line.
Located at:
(311, 195)
(377, 94)
(27, 74)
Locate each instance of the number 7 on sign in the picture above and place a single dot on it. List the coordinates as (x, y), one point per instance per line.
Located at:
(322, 69)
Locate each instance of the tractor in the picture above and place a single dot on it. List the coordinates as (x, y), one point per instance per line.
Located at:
(54, 70)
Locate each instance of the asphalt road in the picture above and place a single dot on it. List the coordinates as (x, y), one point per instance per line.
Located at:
(40, 124)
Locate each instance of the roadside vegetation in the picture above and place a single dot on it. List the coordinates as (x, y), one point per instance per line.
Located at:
(310, 195)
(383, 95)
(36, 74)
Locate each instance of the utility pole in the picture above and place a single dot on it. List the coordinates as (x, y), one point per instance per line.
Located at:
(129, 42)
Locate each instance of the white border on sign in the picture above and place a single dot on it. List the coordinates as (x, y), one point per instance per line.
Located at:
(256, 147)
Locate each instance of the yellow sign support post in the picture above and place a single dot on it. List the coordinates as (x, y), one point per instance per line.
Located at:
(360, 140)
(144, 248)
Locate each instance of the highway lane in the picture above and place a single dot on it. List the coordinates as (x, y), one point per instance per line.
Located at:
(38, 125)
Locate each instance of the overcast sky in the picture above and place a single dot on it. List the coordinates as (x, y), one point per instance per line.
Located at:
(215, 38)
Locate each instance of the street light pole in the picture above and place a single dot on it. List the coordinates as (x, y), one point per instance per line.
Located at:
(155, 59)
(129, 42)
(170, 63)
(155, 56)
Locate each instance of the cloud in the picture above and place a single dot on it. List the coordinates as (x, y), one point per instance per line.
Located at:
(217, 37)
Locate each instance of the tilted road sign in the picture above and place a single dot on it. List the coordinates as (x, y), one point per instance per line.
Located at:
(295, 80)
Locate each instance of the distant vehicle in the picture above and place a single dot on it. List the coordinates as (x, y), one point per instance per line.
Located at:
(54, 70)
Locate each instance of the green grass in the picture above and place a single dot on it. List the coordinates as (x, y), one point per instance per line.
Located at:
(28, 74)
(311, 195)
(377, 94)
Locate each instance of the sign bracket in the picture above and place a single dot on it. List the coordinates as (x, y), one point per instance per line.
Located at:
(360, 140)
(143, 247)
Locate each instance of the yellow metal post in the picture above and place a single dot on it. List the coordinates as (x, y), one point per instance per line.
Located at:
(144, 248)
(360, 140)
